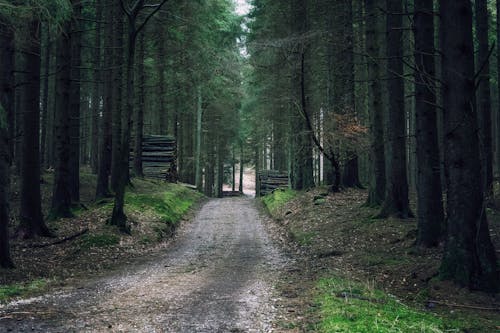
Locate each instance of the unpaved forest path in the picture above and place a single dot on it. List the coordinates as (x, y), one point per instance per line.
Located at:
(217, 276)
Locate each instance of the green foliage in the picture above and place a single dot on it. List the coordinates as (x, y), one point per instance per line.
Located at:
(170, 205)
(99, 240)
(276, 200)
(54, 11)
(354, 307)
(8, 292)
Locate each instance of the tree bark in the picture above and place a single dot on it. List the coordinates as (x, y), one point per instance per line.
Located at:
(117, 78)
(105, 137)
(96, 92)
(396, 200)
(31, 219)
(61, 194)
(45, 97)
(199, 113)
(429, 196)
(376, 192)
(343, 89)
(484, 94)
(6, 136)
(139, 112)
(74, 103)
(469, 257)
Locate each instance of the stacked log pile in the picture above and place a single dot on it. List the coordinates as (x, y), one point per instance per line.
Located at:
(270, 180)
(159, 157)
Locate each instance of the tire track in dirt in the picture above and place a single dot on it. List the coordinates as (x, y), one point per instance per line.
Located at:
(218, 276)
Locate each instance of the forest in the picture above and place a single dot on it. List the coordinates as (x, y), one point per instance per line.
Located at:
(396, 100)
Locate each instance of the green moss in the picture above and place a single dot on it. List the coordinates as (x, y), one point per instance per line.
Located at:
(276, 200)
(8, 292)
(351, 307)
(170, 205)
(99, 240)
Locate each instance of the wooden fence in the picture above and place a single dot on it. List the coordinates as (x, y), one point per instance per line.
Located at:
(159, 157)
(270, 180)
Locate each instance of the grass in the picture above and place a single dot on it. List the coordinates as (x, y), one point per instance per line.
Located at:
(345, 306)
(170, 204)
(276, 200)
(99, 240)
(10, 291)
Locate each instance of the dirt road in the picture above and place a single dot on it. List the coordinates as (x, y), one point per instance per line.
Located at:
(218, 276)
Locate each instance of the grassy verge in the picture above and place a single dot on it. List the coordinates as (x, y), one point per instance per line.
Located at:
(10, 291)
(346, 306)
(275, 201)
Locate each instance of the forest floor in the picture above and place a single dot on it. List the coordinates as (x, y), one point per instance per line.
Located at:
(322, 264)
(358, 274)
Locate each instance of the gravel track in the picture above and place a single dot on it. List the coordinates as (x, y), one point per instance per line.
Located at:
(217, 276)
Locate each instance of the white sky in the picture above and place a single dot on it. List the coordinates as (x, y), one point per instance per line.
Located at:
(242, 7)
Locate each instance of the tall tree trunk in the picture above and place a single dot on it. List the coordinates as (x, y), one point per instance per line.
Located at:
(484, 94)
(498, 90)
(31, 219)
(376, 192)
(163, 119)
(61, 194)
(45, 97)
(396, 200)
(469, 257)
(117, 77)
(139, 112)
(343, 88)
(74, 103)
(199, 113)
(429, 196)
(240, 187)
(96, 92)
(302, 161)
(6, 136)
(105, 137)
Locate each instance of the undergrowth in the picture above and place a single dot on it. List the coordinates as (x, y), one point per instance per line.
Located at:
(170, 205)
(21, 290)
(345, 306)
(276, 200)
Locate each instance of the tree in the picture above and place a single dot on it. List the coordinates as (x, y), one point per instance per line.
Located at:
(139, 112)
(301, 172)
(61, 195)
(6, 112)
(132, 12)
(396, 199)
(104, 169)
(74, 104)
(483, 93)
(96, 90)
(5, 161)
(429, 195)
(31, 219)
(469, 257)
(376, 191)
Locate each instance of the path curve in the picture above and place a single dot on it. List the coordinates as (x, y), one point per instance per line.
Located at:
(218, 276)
